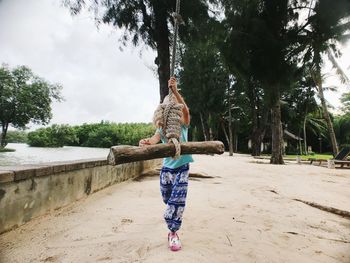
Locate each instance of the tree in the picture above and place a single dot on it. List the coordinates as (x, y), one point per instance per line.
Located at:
(301, 106)
(54, 136)
(342, 129)
(204, 78)
(237, 47)
(17, 137)
(328, 25)
(260, 36)
(237, 113)
(103, 134)
(24, 98)
(145, 21)
(345, 100)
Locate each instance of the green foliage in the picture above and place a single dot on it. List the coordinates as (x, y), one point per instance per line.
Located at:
(345, 100)
(24, 98)
(311, 155)
(54, 136)
(342, 129)
(102, 135)
(268, 46)
(140, 19)
(39, 138)
(4, 150)
(256, 56)
(17, 137)
(204, 77)
(328, 24)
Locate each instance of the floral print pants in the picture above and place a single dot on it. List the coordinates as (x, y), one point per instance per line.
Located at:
(173, 187)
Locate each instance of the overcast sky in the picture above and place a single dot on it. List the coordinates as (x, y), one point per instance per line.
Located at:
(100, 82)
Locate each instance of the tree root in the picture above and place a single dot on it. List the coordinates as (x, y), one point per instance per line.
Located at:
(328, 209)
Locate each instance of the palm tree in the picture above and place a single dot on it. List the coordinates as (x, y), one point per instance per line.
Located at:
(345, 100)
(327, 27)
(315, 124)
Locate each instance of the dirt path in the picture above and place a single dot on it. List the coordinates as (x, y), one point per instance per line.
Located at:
(246, 213)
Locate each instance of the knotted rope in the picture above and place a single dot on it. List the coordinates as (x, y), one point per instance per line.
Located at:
(172, 114)
(168, 114)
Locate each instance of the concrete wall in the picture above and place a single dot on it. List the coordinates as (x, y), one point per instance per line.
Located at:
(30, 191)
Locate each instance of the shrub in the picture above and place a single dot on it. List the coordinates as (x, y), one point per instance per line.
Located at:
(54, 136)
(102, 134)
(16, 137)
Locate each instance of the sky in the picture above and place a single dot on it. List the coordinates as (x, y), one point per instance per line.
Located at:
(100, 82)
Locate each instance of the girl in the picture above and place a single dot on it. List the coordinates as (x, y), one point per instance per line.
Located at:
(174, 173)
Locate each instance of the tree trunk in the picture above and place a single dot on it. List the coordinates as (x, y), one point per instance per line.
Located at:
(228, 140)
(203, 127)
(235, 141)
(258, 124)
(211, 137)
(4, 128)
(327, 117)
(300, 147)
(259, 129)
(256, 143)
(127, 154)
(283, 148)
(230, 145)
(305, 142)
(318, 82)
(256, 137)
(277, 136)
(163, 52)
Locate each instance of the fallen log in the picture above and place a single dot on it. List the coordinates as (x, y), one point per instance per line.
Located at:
(127, 154)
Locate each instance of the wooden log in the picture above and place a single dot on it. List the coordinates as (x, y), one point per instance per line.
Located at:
(126, 153)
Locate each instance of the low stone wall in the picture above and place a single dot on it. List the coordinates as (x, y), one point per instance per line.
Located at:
(30, 191)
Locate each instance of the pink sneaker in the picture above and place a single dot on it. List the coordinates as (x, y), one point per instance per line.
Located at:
(174, 241)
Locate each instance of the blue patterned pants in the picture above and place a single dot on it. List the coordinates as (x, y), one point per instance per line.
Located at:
(173, 186)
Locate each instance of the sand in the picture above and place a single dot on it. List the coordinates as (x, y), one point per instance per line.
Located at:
(245, 213)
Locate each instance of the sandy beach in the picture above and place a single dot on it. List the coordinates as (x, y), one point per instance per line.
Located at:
(243, 212)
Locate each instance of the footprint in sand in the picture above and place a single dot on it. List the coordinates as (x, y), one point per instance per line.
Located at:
(50, 259)
(105, 259)
(124, 221)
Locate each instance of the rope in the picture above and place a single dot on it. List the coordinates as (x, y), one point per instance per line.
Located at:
(172, 125)
(171, 110)
(177, 20)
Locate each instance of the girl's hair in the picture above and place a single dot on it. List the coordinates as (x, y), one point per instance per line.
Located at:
(158, 117)
(158, 120)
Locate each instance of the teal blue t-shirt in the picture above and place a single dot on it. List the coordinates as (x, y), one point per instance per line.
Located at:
(183, 159)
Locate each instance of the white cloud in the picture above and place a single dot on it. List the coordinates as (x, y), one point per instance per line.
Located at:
(99, 81)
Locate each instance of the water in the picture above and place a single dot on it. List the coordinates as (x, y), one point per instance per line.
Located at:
(35, 155)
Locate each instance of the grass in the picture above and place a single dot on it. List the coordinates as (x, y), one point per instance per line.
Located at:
(307, 157)
(314, 156)
(4, 150)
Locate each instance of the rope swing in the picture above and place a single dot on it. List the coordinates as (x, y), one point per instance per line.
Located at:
(168, 117)
(169, 113)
